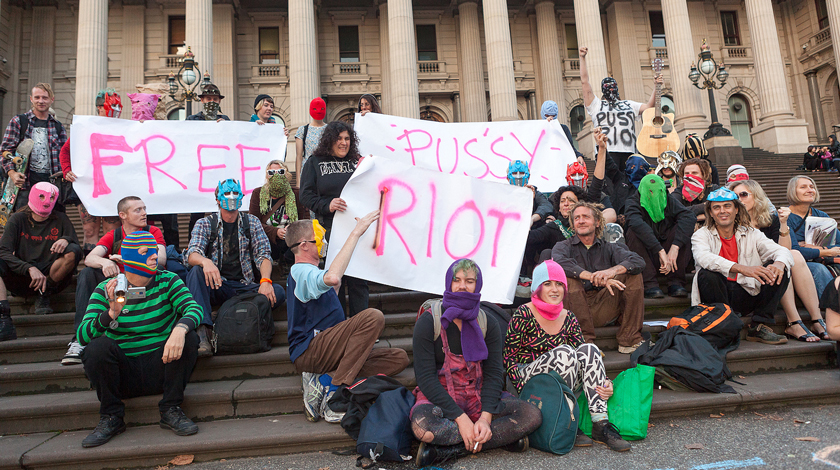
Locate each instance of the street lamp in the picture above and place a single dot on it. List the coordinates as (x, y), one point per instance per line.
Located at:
(187, 80)
(708, 70)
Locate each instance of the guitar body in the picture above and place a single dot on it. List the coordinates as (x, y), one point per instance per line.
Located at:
(657, 134)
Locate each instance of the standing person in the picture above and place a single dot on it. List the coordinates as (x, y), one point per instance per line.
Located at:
(548, 111)
(368, 104)
(612, 113)
(48, 136)
(264, 112)
(275, 205)
(834, 149)
(308, 137)
(323, 177)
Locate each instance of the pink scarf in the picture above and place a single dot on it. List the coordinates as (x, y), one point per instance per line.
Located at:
(547, 271)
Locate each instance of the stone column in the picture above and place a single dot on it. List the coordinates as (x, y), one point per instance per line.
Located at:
(834, 25)
(551, 67)
(472, 67)
(199, 33)
(303, 61)
(681, 54)
(590, 34)
(224, 63)
(384, 58)
(91, 54)
(133, 53)
(778, 131)
(405, 94)
(499, 61)
(816, 105)
(42, 47)
(625, 63)
(456, 107)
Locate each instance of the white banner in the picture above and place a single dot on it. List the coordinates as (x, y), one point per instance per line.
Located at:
(428, 221)
(482, 150)
(174, 166)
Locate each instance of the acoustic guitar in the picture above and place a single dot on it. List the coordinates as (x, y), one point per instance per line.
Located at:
(657, 134)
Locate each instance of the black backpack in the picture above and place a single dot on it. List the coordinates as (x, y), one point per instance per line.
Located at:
(244, 325)
(717, 323)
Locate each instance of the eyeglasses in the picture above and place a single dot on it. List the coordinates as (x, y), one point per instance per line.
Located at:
(744, 195)
(280, 171)
(302, 242)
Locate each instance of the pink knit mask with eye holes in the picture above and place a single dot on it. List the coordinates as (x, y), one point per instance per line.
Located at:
(42, 198)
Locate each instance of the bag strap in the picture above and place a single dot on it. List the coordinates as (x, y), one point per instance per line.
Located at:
(24, 126)
(118, 236)
(435, 305)
(305, 131)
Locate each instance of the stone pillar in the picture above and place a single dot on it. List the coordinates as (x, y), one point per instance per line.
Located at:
(405, 94)
(551, 67)
(499, 61)
(384, 58)
(778, 131)
(625, 62)
(133, 53)
(224, 62)
(91, 54)
(456, 107)
(42, 47)
(591, 35)
(472, 67)
(681, 54)
(303, 61)
(199, 33)
(816, 105)
(834, 25)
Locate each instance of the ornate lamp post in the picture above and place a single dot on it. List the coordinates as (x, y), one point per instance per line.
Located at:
(709, 70)
(187, 80)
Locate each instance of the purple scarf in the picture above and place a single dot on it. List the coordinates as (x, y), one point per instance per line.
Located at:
(465, 306)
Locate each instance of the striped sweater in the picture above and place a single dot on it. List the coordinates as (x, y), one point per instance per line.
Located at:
(147, 323)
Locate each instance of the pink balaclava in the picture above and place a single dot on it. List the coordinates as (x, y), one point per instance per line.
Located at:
(143, 106)
(317, 109)
(42, 198)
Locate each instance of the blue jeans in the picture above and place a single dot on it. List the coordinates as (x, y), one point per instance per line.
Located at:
(205, 296)
(822, 276)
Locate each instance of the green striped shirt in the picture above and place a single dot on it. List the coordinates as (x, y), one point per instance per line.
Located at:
(145, 324)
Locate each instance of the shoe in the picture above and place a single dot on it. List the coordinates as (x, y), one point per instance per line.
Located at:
(7, 327)
(313, 395)
(523, 288)
(519, 446)
(175, 419)
(205, 349)
(328, 414)
(823, 335)
(629, 349)
(613, 233)
(74, 354)
(654, 293)
(604, 432)
(108, 427)
(582, 440)
(41, 306)
(804, 337)
(763, 334)
(677, 291)
(430, 454)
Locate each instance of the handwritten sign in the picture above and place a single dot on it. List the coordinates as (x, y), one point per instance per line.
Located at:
(174, 166)
(481, 150)
(429, 220)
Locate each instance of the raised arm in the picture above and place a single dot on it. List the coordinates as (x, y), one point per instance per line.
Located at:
(657, 80)
(342, 259)
(588, 96)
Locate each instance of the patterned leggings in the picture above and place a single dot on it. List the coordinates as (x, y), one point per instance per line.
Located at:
(573, 365)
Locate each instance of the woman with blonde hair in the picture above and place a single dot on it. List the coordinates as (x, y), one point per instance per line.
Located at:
(770, 223)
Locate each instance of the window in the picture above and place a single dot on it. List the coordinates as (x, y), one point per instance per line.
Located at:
(571, 42)
(177, 33)
(729, 25)
(348, 43)
(657, 29)
(822, 14)
(269, 45)
(177, 114)
(426, 42)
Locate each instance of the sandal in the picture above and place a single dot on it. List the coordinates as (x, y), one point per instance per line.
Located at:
(808, 333)
(824, 334)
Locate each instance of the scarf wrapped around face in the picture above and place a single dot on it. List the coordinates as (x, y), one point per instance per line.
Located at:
(547, 271)
(465, 307)
(278, 186)
(653, 197)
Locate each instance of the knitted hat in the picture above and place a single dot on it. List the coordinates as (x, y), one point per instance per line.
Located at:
(42, 198)
(135, 263)
(693, 187)
(549, 270)
(736, 173)
(260, 98)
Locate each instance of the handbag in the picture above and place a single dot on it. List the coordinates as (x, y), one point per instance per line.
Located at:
(629, 407)
(66, 194)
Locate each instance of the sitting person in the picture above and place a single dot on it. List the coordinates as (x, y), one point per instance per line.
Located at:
(226, 251)
(696, 176)
(605, 281)
(736, 173)
(143, 346)
(460, 407)
(275, 205)
(518, 175)
(830, 301)
(659, 229)
(825, 159)
(39, 253)
(738, 266)
(104, 261)
(327, 350)
(811, 161)
(668, 164)
(754, 199)
(695, 149)
(542, 336)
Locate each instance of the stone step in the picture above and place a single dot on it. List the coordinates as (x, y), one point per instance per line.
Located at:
(149, 446)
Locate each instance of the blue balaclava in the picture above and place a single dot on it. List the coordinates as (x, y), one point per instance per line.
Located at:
(636, 169)
(518, 167)
(229, 194)
(549, 108)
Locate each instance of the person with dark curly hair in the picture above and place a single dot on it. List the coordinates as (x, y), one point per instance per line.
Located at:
(323, 177)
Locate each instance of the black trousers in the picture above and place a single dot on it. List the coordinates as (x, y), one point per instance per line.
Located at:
(117, 376)
(358, 292)
(169, 227)
(195, 217)
(86, 283)
(715, 287)
(675, 278)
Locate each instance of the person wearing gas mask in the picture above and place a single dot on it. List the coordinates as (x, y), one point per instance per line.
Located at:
(211, 102)
(667, 165)
(140, 340)
(308, 137)
(615, 116)
(227, 250)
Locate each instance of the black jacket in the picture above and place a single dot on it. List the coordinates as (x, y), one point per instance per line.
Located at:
(355, 401)
(653, 234)
(321, 181)
(199, 116)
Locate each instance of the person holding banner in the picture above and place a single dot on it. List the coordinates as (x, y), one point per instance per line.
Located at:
(264, 112)
(308, 137)
(275, 205)
(368, 104)
(324, 176)
(548, 111)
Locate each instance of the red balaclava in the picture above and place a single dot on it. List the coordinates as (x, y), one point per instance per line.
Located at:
(317, 109)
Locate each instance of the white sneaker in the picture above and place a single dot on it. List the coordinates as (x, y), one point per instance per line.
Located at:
(329, 415)
(313, 396)
(74, 354)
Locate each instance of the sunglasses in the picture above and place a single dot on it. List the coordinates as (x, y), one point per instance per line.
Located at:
(744, 195)
(281, 171)
(302, 242)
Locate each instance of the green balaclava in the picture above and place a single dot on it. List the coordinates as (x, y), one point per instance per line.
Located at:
(653, 196)
(278, 186)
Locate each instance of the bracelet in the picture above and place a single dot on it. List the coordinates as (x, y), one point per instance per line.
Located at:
(185, 327)
(784, 234)
(265, 279)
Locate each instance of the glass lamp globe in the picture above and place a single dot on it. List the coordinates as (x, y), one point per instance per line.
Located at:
(707, 67)
(188, 76)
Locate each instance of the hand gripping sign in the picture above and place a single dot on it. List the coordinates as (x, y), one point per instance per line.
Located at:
(428, 220)
(174, 166)
(482, 150)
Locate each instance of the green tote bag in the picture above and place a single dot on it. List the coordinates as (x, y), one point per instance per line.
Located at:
(629, 407)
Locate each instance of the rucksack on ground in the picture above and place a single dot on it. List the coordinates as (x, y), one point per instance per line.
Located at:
(716, 323)
(560, 412)
(244, 325)
(385, 433)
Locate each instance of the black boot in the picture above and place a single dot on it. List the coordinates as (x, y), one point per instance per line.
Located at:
(519, 446)
(429, 454)
(175, 419)
(205, 349)
(604, 432)
(41, 305)
(108, 427)
(7, 328)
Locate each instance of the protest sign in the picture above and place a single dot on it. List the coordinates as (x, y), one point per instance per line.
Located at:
(174, 166)
(482, 150)
(428, 221)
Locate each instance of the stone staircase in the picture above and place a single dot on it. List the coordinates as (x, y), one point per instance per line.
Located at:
(250, 405)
